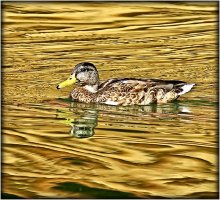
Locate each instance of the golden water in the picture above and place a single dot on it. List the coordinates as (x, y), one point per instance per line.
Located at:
(53, 147)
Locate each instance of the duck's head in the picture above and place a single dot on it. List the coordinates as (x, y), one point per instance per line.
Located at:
(85, 74)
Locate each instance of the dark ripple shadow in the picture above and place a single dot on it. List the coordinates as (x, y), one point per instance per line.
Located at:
(10, 196)
(202, 195)
(92, 192)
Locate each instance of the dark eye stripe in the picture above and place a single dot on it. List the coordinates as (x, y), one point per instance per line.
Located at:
(86, 69)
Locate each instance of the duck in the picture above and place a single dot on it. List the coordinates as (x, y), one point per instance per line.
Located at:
(121, 91)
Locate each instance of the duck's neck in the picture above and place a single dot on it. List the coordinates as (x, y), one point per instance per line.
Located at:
(92, 88)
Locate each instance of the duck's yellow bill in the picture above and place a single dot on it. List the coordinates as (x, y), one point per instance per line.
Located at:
(71, 80)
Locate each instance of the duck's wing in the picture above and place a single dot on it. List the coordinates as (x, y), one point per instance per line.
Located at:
(137, 91)
(143, 83)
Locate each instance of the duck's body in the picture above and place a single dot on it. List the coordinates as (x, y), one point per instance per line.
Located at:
(126, 91)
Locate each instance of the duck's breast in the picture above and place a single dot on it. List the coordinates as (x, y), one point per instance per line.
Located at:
(80, 94)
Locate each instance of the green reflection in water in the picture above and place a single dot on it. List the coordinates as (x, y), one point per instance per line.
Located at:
(84, 127)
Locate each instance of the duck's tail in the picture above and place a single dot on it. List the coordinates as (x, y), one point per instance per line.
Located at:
(186, 88)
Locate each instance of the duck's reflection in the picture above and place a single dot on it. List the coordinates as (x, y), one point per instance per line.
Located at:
(83, 118)
(84, 127)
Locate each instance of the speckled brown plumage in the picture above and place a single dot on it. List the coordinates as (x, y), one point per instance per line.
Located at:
(130, 92)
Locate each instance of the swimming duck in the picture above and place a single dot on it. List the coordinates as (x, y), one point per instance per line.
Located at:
(124, 91)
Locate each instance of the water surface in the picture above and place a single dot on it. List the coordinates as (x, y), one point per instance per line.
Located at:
(53, 147)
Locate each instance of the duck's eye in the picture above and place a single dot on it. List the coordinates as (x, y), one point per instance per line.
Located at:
(71, 78)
